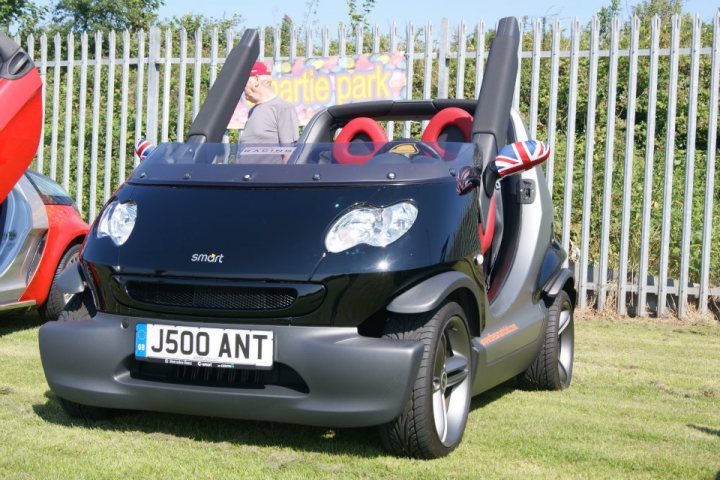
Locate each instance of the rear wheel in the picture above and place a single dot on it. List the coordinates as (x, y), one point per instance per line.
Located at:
(434, 419)
(552, 368)
(79, 308)
(56, 299)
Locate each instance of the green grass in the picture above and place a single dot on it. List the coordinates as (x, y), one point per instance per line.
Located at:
(644, 403)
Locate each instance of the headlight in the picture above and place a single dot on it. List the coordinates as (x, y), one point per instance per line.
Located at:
(117, 221)
(377, 227)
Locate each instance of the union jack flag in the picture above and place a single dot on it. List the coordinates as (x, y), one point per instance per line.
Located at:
(144, 148)
(521, 156)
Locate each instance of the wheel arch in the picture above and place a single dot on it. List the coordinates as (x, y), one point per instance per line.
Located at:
(431, 292)
(563, 280)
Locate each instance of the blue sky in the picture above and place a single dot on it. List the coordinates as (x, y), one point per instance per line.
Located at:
(331, 12)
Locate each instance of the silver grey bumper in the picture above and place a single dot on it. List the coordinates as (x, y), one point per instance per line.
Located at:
(352, 380)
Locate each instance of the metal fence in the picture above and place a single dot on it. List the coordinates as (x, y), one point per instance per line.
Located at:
(145, 90)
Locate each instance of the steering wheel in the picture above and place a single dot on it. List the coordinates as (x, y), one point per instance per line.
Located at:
(395, 151)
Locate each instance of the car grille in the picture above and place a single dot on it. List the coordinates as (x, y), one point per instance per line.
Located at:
(212, 297)
(279, 375)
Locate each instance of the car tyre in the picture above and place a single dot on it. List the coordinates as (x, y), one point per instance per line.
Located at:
(434, 419)
(80, 307)
(553, 366)
(56, 299)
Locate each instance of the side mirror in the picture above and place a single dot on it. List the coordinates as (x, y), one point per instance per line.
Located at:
(520, 156)
(513, 158)
(143, 148)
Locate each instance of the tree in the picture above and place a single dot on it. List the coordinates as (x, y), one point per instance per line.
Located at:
(358, 14)
(86, 15)
(25, 14)
(192, 22)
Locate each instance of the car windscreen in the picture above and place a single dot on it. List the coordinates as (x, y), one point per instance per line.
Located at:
(401, 160)
(50, 192)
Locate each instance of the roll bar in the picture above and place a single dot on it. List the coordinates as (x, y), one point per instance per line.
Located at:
(214, 115)
(492, 113)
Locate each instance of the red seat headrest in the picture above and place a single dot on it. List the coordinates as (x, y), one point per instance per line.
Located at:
(361, 129)
(450, 124)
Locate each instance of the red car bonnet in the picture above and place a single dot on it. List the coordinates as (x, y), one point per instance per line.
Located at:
(20, 113)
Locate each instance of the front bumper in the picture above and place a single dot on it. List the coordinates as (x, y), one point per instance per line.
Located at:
(352, 381)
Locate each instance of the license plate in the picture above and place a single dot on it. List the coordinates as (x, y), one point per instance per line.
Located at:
(203, 347)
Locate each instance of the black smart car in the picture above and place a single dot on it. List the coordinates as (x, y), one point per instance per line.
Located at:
(345, 281)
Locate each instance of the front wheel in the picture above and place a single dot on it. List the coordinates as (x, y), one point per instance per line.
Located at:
(434, 419)
(80, 307)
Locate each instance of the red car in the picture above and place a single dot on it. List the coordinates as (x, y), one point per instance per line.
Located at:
(41, 230)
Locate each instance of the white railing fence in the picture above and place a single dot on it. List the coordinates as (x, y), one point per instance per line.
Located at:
(631, 112)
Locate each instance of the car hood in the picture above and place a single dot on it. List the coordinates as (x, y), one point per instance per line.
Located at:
(266, 233)
(278, 234)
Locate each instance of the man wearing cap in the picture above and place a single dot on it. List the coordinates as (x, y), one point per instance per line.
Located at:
(272, 120)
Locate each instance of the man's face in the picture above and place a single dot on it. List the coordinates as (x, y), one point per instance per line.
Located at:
(252, 89)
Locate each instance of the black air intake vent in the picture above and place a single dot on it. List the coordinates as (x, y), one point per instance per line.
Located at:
(211, 297)
(280, 375)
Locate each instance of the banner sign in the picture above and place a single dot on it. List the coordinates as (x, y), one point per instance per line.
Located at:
(316, 83)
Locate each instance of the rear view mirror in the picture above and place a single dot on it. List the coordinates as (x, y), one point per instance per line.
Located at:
(520, 156)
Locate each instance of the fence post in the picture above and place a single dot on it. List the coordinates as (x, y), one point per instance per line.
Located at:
(689, 169)
(79, 178)
(358, 39)
(139, 92)
(479, 56)
(516, 95)
(552, 113)
(535, 79)
(109, 117)
(393, 48)
(181, 86)
(43, 75)
(609, 161)
(649, 163)
(627, 173)
(410, 63)
(669, 166)
(293, 43)
(69, 94)
(325, 32)
(427, 74)
(342, 43)
(167, 72)
(309, 42)
(94, 147)
(124, 105)
(710, 167)
(589, 150)
(198, 70)
(461, 52)
(153, 85)
(56, 107)
(443, 70)
(570, 146)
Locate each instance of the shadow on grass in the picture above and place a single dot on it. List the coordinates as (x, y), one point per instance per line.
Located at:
(17, 322)
(709, 431)
(363, 442)
(486, 398)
